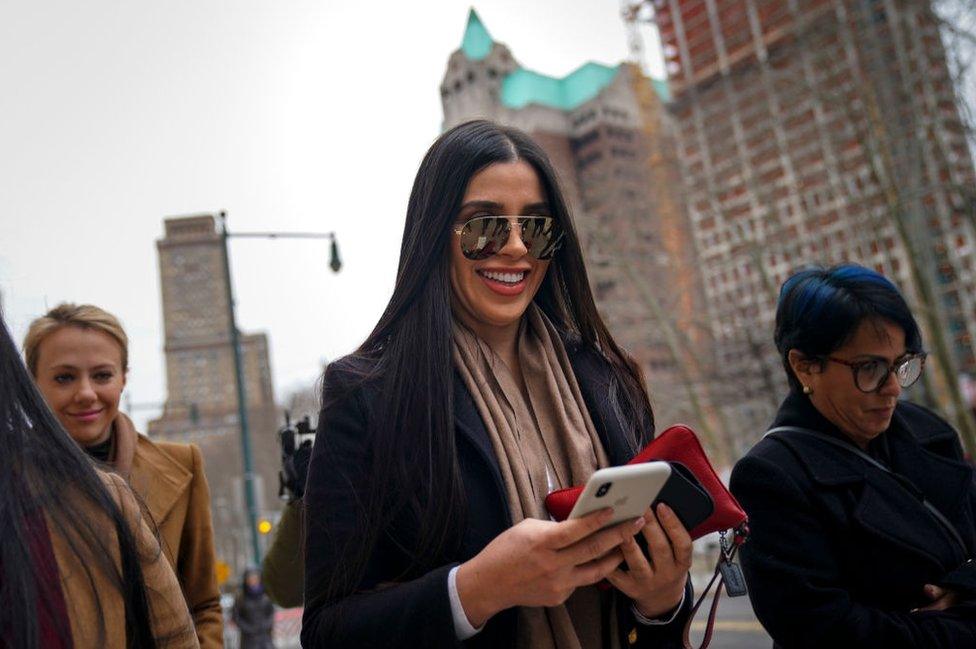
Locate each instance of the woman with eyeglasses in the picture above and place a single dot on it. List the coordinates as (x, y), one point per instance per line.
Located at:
(861, 505)
(489, 381)
(80, 565)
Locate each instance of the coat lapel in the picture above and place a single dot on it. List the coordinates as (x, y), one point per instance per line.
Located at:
(945, 482)
(890, 512)
(882, 507)
(469, 424)
(158, 479)
(593, 375)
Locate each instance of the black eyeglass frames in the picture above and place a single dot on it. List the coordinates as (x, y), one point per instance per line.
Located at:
(871, 374)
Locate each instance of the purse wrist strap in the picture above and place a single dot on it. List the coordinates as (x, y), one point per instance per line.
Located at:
(713, 609)
(901, 480)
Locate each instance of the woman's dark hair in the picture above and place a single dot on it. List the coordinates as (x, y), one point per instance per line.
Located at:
(820, 310)
(414, 466)
(44, 475)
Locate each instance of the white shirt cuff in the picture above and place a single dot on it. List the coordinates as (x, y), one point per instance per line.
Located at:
(655, 621)
(462, 627)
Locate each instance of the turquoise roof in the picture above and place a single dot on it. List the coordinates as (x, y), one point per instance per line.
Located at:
(523, 87)
(662, 90)
(477, 41)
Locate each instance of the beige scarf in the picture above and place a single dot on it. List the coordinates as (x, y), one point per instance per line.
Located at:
(544, 440)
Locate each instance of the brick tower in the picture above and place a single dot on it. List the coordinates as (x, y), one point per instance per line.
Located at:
(201, 403)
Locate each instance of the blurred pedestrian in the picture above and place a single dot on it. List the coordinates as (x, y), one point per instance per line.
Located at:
(862, 510)
(283, 567)
(79, 566)
(78, 355)
(489, 381)
(254, 613)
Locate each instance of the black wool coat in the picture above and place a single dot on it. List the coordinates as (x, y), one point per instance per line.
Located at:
(839, 551)
(416, 612)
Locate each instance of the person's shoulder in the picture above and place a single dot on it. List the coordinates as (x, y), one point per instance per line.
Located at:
(765, 450)
(186, 456)
(355, 377)
(767, 456)
(924, 424)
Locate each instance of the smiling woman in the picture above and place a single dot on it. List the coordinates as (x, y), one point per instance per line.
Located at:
(489, 381)
(78, 355)
(494, 285)
(82, 374)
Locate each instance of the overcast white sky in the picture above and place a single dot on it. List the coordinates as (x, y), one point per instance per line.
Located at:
(293, 115)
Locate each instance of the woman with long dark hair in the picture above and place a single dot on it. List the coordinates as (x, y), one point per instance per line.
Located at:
(78, 564)
(489, 381)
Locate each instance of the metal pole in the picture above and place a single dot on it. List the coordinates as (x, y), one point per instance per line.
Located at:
(235, 342)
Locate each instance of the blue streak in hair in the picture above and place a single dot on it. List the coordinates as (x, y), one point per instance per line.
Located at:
(860, 273)
(814, 291)
(813, 299)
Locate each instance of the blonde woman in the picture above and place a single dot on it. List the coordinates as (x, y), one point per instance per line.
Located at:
(78, 355)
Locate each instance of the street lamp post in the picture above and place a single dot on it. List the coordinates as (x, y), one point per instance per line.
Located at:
(235, 341)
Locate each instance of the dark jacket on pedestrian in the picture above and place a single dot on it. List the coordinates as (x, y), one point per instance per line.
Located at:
(415, 611)
(283, 567)
(254, 617)
(839, 551)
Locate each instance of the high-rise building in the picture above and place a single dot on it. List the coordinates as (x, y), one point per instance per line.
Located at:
(604, 128)
(201, 403)
(818, 131)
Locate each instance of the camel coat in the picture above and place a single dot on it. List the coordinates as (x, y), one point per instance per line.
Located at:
(169, 479)
(95, 608)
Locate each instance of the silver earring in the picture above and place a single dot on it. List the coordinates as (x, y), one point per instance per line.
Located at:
(807, 389)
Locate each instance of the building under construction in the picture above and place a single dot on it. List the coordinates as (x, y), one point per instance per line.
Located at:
(820, 131)
(603, 127)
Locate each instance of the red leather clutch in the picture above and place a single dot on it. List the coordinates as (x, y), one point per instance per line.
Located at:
(676, 444)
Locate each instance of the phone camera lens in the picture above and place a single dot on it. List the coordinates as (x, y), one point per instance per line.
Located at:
(604, 488)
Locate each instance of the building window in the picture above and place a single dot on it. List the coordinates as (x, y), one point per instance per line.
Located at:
(579, 142)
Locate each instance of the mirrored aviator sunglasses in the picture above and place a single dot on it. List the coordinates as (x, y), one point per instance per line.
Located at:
(484, 236)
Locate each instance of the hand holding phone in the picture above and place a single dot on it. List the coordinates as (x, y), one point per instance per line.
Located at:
(628, 489)
(632, 488)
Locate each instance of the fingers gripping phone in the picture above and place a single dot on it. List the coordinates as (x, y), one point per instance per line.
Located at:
(632, 488)
(629, 489)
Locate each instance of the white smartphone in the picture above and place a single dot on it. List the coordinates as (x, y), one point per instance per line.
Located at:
(629, 489)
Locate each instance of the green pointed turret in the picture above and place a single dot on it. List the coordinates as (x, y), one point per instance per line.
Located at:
(477, 41)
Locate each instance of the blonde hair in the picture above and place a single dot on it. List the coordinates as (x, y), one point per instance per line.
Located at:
(83, 316)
